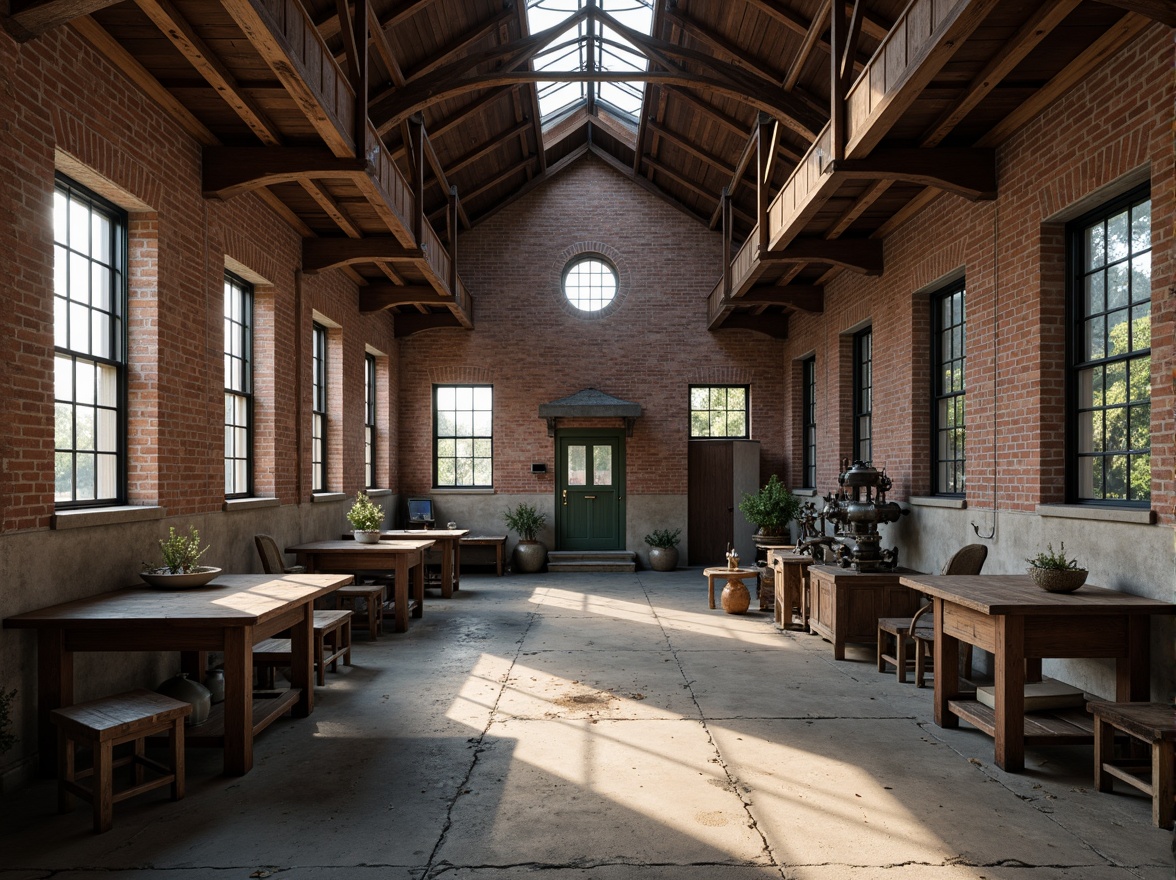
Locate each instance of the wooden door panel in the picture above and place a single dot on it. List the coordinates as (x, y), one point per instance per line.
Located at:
(709, 507)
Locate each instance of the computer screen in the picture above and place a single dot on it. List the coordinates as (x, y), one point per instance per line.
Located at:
(420, 509)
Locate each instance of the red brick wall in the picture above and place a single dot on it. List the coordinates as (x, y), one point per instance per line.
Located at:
(535, 350)
(1081, 151)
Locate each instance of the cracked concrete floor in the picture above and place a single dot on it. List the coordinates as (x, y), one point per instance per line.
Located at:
(600, 726)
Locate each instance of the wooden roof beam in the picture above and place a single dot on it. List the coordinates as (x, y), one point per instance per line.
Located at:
(738, 174)
(774, 325)
(684, 144)
(488, 147)
(439, 175)
(331, 208)
(329, 25)
(796, 23)
(27, 19)
(1163, 11)
(327, 253)
(858, 254)
(805, 297)
(410, 325)
(230, 171)
(969, 172)
(377, 297)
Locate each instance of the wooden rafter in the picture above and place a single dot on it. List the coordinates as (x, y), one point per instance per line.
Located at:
(685, 144)
(332, 208)
(970, 172)
(326, 253)
(859, 254)
(490, 146)
(27, 19)
(409, 325)
(804, 297)
(809, 41)
(376, 297)
(551, 172)
(1163, 11)
(774, 324)
(329, 25)
(230, 171)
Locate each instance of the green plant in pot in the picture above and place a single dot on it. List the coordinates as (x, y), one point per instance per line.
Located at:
(181, 567)
(663, 549)
(772, 508)
(1054, 573)
(366, 518)
(525, 520)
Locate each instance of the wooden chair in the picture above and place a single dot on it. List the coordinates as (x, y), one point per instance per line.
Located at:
(271, 557)
(109, 722)
(1153, 724)
(919, 632)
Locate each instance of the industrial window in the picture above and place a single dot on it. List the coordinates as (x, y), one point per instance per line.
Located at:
(948, 344)
(590, 283)
(318, 452)
(863, 394)
(1110, 295)
(369, 420)
(89, 379)
(463, 436)
(718, 411)
(808, 377)
(238, 318)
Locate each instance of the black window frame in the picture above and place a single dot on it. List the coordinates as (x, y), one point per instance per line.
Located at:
(1077, 364)
(369, 420)
(319, 452)
(237, 286)
(710, 387)
(473, 436)
(863, 394)
(808, 421)
(116, 338)
(946, 480)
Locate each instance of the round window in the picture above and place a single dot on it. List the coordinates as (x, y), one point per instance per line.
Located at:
(590, 283)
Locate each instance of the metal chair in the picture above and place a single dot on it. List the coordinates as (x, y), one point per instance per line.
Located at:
(920, 633)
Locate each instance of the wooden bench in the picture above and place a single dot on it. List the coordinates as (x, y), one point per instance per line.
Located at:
(373, 597)
(332, 626)
(498, 542)
(109, 722)
(1153, 724)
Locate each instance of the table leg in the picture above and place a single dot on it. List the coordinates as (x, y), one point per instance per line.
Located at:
(456, 564)
(840, 619)
(1009, 692)
(302, 660)
(418, 587)
(446, 570)
(710, 589)
(400, 593)
(55, 688)
(1133, 672)
(500, 557)
(238, 700)
(947, 670)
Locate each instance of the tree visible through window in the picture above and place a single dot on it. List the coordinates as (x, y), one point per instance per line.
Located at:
(1111, 290)
(463, 435)
(718, 411)
(89, 304)
(238, 319)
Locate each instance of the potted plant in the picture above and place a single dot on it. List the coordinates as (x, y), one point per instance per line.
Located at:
(772, 508)
(1054, 573)
(526, 521)
(180, 569)
(365, 517)
(663, 549)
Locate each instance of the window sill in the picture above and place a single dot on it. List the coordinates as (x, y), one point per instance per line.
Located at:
(232, 505)
(316, 497)
(936, 501)
(1138, 516)
(104, 516)
(463, 490)
(804, 493)
(377, 493)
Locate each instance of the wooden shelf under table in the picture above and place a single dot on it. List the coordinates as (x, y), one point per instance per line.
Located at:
(268, 707)
(1068, 727)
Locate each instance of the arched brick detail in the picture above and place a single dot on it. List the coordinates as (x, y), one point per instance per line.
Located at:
(595, 248)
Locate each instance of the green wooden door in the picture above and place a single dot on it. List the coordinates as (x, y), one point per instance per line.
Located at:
(590, 504)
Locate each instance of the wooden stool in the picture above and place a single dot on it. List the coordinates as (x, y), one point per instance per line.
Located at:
(336, 625)
(109, 722)
(268, 655)
(373, 596)
(1154, 724)
(899, 627)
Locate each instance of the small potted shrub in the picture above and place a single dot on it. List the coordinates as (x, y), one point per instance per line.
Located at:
(772, 508)
(1054, 573)
(365, 517)
(663, 549)
(525, 520)
(181, 557)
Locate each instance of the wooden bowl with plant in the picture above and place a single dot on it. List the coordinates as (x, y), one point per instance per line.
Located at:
(1054, 573)
(180, 569)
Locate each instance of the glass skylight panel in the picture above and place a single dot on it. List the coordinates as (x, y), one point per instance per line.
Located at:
(568, 53)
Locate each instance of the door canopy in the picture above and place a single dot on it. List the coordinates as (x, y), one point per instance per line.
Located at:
(590, 403)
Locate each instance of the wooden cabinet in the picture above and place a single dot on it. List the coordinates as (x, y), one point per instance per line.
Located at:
(845, 605)
(720, 473)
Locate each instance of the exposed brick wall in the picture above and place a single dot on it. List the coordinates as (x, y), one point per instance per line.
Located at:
(533, 349)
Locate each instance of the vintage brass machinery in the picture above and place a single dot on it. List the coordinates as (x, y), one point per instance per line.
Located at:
(856, 510)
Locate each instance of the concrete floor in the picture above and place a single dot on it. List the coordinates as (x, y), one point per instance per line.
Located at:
(604, 726)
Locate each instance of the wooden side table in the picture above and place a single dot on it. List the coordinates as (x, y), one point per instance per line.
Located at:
(845, 605)
(498, 542)
(729, 575)
(792, 586)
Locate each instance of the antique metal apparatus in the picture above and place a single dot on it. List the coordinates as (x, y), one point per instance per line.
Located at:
(856, 510)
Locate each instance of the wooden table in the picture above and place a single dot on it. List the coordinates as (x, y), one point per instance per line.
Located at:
(449, 543)
(845, 605)
(730, 575)
(498, 542)
(1011, 617)
(405, 558)
(792, 586)
(231, 614)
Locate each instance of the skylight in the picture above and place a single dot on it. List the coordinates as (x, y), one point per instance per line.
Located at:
(591, 43)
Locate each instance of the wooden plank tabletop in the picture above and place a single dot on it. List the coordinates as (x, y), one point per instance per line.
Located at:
(240, 598)
(1017, 594)
(424, 533)
(391, 548)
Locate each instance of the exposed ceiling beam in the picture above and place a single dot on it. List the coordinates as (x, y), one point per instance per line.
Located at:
(446, 53)
(551, 172)
(449, 124)
(811, 36)
(773, 324)
(805, 297)
(330, 27)
(409, 325)
(797, 24)
(605, 121)
(859, 254)
(657, 26)
(441, 179)
(683, 143)
(331, 208)
(860, 205)
(969, 172)
(1163, 11)
(737, 175)
(490, 146)
(501, 177)
(327, 253)
(376, 297)
(230, 171)
(31, 18)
